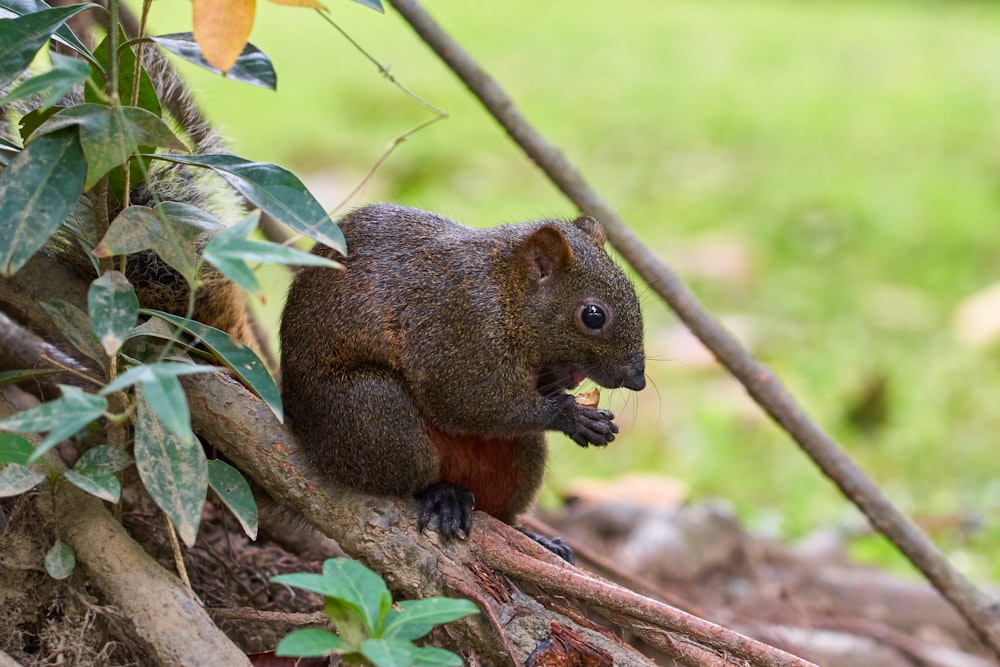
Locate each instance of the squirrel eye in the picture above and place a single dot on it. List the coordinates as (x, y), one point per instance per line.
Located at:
(592, 316)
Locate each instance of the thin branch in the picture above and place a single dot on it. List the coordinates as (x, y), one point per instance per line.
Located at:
(175, 548)
(605, 595)
(605, 567)
(979, 609)
(383, 70)
(258, 616)
(385, 155)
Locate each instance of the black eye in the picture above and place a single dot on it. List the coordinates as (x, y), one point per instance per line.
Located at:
(592, 316)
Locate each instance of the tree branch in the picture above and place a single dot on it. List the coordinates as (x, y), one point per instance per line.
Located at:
(979, 609)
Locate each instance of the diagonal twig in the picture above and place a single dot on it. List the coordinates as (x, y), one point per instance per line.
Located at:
(596, 592)
(981, 611)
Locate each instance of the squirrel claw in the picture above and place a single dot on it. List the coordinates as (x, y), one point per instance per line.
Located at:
(592, 426)
(451, 505)
(553, 544)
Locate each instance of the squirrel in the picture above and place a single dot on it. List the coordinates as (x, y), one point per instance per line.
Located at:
(432, 365)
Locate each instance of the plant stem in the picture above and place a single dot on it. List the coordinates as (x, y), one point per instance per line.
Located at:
(113, 51)
(137, 75)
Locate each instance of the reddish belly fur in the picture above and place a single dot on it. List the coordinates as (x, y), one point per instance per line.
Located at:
(486, 466)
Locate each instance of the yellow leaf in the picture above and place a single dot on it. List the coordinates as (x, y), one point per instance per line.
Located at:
(313, 4)
(222, 28)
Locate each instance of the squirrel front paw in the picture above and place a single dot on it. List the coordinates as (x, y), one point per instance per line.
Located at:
(451, 505)
(587, 426)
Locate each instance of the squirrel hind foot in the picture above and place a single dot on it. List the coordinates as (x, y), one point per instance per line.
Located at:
(450, 505)
(553, 544)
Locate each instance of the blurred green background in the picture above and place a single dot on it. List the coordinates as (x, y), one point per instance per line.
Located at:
(825, 174)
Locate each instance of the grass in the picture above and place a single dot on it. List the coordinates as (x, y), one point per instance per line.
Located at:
(849, 150)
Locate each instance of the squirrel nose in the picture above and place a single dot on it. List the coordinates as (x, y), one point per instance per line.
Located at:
(636, 380)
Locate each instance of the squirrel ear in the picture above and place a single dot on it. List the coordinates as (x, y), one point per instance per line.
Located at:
(546, 251)
(591, 228)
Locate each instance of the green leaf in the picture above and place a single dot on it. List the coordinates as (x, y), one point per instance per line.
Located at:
(63, 34)
(432, 656)
(418, 617)
(113, 308)
(22, 37)
(361, 588)
(37, 192)
(244, 361)
(150, 372)
(309, 643)
(13, 377)
(144, 341)
(372, 4)
(105, 457)
(147, 100)
(60, 560)
(388, 652)
(126, 75)
(228, 260)
(163, 392)
(275, 190)
(341, 604)
(166, 396)
(34, 119)
(174, 472)
(14, 449)
(15, 479)
(230, 251)
(110, 135)
(66, 73)
(171, 230)
(61, 418)
(8, 152)
(308, 581)
(95, 471)
(97, 482)
(75, 327)
(347, 622)
(253, 66)
(233, 490)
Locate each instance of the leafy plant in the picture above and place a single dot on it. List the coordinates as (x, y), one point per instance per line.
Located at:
(73, 172)
(370, 628)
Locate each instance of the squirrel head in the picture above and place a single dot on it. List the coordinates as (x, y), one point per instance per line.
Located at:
(589, 321)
